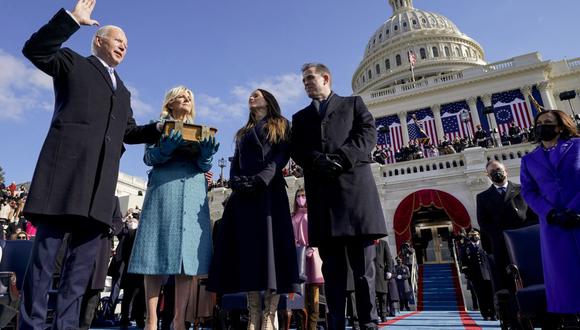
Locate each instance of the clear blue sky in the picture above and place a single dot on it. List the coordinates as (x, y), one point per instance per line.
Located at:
(223, 49)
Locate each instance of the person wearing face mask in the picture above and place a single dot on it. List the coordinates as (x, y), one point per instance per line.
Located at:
(402, 274)
(501, 207)
(475, 266)
(550, 178)
(312, 272)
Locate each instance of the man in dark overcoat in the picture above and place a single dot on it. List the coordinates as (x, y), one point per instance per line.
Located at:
(476, 268)
(501, 207)
(385, 284)
(332, 140)
(77, 169)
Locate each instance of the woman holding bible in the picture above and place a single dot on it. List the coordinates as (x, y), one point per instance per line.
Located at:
(174, 234)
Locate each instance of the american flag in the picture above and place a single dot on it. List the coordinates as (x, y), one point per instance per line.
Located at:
(208, 177)
(412, 58)
(511, 107)
(424, 118)
(395, 137)
(453, 125)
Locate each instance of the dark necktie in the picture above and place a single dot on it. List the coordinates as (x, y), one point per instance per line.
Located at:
(112, 75)
(501, 190)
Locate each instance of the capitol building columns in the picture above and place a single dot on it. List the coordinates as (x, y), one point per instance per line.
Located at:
(404, 128)
(527, 91)
(547, 93)
(472, 103)
(438, 123)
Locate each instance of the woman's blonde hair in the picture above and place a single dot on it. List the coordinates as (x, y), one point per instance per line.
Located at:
(276, 128)
(166, 113)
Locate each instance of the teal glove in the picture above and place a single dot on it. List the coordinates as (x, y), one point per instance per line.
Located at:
(170, 142)
(208, 147)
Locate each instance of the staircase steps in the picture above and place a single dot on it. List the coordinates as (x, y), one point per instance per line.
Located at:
(439, 288)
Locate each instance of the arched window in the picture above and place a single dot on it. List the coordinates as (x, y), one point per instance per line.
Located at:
(446, 51)
(396, 27)
(398, 60)
(414, 22)
(457, 51)
(423, 53)
(370, 73)
(378, 69)
(401, 3)
(387, 32)
(387, 64)
(468, 51)
(380, 36)
(435, 52)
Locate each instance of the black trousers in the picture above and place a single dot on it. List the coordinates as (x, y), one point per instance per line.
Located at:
(88, 308)
(484, 294)
(361, 255)
(85, 236)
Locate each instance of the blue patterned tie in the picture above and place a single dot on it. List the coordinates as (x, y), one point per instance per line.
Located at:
(112, 75)
(501, 190)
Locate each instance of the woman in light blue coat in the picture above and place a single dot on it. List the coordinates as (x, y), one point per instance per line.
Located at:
(174, 235)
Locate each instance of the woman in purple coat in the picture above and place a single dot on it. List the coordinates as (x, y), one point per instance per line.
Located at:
(550, 178)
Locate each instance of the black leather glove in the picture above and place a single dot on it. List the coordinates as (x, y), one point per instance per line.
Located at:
(247, 184)
(237, 182)
(567, 218)
(329, 165)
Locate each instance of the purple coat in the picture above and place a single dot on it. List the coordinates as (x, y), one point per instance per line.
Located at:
(554, 182)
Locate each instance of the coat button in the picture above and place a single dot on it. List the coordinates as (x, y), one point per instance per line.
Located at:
(108, 138)
(113, 117)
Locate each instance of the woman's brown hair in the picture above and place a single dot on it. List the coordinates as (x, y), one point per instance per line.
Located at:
(276, 127)
(564, 121)
(296, 207)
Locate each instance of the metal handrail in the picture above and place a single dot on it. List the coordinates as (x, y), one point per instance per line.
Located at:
(456, 263)
(414, 278)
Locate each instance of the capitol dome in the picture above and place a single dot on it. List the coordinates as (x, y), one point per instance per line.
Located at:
(437, 43)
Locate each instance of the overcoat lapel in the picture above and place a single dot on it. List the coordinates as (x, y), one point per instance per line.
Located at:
(103, 71)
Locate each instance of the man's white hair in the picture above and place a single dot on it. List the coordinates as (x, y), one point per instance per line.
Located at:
(102, 32)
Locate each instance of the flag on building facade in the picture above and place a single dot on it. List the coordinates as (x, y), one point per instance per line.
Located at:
(394, 139)
(511, 107)
(412, 59)
(453, 124)
(421, 125)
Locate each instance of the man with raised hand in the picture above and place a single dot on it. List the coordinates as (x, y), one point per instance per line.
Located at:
(77, 169)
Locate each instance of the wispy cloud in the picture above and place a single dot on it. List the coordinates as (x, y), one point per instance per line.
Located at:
(23, 88)
(287, 88)
(141, 109)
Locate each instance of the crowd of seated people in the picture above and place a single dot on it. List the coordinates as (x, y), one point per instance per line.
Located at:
(415, 149)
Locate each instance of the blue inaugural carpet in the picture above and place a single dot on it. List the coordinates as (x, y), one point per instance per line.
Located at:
(440, 320)
(438, 290)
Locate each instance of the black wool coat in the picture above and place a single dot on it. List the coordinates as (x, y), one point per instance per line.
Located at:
(97, 281)
(77, 169)
(496, 214)
(349, 205)
(384, 264)
(254, 247)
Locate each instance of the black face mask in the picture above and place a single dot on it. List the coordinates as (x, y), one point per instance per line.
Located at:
(546, 132)
(497, 176)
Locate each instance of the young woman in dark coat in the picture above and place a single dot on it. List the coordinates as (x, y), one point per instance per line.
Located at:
(254, 248)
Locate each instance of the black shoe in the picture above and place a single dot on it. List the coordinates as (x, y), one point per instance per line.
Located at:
(141, 324)
(124, 324)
